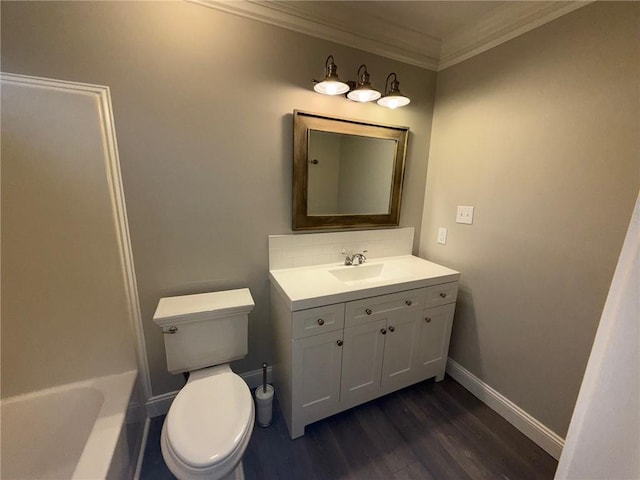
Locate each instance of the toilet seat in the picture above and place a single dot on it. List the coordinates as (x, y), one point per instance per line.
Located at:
(209, 424)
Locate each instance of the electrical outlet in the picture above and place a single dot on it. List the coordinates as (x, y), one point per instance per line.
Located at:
(464, 214)
(442, 236)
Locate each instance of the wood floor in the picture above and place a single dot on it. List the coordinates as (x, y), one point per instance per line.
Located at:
(427, 431)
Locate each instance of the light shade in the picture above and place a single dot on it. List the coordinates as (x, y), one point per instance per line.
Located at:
(363, 91)
(393, 98)
(393, 101)
(363, 95)
(331, 87)
(331, 84)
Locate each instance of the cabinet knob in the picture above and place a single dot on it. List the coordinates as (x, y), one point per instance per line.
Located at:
(320, 321)
(428, 319)
(172, 330)
(339, 342)
(408, 302)
(443, 294)
(383, 331)
(368, 311)
(392, 328)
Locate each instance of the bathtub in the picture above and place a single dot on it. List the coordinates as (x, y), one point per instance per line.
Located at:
(83, 430)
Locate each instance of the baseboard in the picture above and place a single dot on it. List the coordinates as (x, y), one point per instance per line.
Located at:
(254, 377)
(159, 404)
(543, 436)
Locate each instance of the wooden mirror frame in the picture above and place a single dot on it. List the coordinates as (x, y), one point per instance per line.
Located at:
(303, 122)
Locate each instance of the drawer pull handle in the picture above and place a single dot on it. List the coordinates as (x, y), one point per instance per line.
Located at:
(320, 321)
(339, 342)
(368, 311)
(383, 331)
(392, 328)
(443, 294)
(172, 331)
(408, 302)
(428, 319)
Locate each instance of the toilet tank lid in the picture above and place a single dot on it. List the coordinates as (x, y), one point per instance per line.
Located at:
(202, 306)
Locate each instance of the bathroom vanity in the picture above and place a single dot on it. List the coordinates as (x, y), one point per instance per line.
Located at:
(345, 335)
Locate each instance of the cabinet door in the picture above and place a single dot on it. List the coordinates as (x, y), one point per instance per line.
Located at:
(317, 362)
(400, 350)
(362, 362)
(434, 335)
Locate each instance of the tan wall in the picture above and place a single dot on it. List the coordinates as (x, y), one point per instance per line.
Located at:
(203, 106)
(65, 313)
(541, 136)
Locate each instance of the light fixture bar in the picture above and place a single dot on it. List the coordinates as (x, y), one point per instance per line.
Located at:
(360, 91)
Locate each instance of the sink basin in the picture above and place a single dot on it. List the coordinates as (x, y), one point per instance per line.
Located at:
(362, 274)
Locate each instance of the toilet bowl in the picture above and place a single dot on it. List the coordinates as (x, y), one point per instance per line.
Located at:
(208, 426)
(210, 421)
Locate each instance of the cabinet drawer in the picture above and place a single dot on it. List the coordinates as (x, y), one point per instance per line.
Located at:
(318, 320)
(441, 294)
(374, 308)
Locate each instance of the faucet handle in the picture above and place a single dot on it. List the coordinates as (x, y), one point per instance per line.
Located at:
(359, 257)
(351, 259)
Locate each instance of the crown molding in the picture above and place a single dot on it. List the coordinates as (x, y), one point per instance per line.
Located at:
(503, 24)
(375, 37)
(386, 39)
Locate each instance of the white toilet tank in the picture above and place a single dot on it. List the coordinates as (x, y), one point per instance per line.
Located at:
(204, 329)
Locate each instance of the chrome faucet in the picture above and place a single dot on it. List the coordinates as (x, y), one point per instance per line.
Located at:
(354, 259)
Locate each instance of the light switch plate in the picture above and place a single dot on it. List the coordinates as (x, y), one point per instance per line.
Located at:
(464, 215)
(442, 236)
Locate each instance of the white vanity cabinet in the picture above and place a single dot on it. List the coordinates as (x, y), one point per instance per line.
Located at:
(333, 357)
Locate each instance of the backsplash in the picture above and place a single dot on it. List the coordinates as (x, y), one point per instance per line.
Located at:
(302, 250)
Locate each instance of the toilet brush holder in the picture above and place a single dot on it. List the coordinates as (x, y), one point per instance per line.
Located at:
(264, 405)
(264, 400)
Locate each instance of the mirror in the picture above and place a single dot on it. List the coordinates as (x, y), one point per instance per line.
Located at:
(346, 173)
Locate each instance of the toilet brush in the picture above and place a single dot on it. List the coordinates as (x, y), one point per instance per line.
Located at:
(264, 400)
(264, 377)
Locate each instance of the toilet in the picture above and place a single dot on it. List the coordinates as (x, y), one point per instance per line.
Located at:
(209, 424)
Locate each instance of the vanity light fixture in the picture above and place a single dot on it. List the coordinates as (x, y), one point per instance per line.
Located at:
(360, 91)
(393, 98)
(331, 85)
(363, 92)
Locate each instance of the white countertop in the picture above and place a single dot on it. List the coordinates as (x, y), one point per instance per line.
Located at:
(313, 286)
